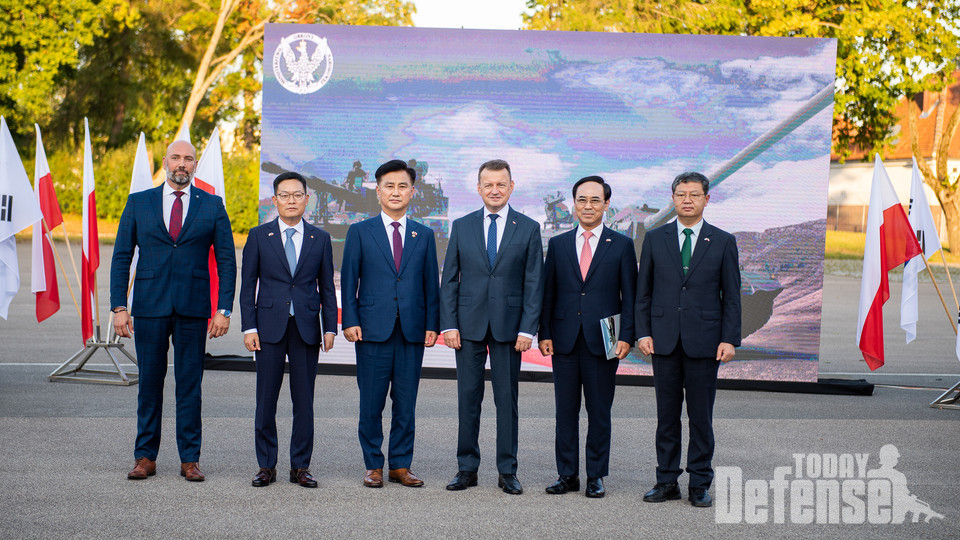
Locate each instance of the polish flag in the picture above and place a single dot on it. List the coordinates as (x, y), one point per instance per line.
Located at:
(209, 178)
(890, 243)
(44, 282)
(91, 242)
(140, 180)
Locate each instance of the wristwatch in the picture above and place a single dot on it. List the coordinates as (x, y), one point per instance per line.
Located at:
(118, 309)
(225, 312)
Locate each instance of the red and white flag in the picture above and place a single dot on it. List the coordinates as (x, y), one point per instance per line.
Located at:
(18, 210)
(140, 180)
(44, 273)
(209, 178)
(890, 242)
(91, 241)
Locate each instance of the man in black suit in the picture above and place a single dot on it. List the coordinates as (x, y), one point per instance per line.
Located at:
(490, 298)
(590, 274)
(688, 319)
(286, 288)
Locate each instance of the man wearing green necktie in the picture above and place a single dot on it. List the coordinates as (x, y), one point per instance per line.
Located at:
(687, 315)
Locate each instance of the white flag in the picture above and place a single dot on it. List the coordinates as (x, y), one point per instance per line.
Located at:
(209, 177)
(926, 230)
(140, 180)
(18, 210)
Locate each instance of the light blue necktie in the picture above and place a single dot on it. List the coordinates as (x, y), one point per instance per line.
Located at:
(291, 251)
(492, 240)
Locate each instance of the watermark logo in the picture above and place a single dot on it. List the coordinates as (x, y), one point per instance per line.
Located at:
(303, 63)
(822, 489)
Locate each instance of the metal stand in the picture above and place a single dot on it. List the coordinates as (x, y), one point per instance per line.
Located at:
(948, 401)
(79, 373)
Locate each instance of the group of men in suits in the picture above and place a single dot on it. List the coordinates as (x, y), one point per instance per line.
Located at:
(495, 295)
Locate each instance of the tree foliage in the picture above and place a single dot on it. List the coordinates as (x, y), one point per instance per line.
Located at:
(883, 46)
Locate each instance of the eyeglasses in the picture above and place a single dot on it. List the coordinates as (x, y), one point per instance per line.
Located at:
(593, 201)
(284, 196)
(680, 195)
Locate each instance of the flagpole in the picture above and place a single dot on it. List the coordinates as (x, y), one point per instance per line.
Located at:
(942, 301)
(73, 261)
(950, 279)
(56, 256)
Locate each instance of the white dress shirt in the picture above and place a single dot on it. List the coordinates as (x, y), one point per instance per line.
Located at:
(693, 237)
(594, 240)
(501, 223)
(387, 225)
(167, 200)
(297, 236)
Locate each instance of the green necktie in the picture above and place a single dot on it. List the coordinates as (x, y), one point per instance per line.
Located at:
(685, 250)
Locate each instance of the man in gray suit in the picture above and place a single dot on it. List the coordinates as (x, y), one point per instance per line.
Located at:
(490, 298)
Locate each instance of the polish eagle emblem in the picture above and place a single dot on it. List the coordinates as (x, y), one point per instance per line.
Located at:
(303, 63)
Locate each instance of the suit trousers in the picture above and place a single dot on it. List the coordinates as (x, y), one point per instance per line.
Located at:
(596, 377)
(270, 363)
(152, 340)
(392, 365)
(673, 375)
(505, 377)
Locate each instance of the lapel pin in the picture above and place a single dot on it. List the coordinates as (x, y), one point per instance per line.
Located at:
(269, 234)
(311, 236)
(706, 239)
(413, 234)
(608, 240)
(514, 222)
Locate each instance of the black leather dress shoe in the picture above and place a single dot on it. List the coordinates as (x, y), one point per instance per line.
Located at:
(462, 480)
(303, 477)
(564, 484)
(265, 477)
(700, 498)
(509, 484)
(595, 488)
(663, 492)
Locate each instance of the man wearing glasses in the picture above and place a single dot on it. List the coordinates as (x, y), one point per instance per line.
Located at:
(688, 320)
(286, 292)
(590, 275)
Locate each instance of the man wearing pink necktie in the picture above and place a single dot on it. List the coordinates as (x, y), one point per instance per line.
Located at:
(590, 274)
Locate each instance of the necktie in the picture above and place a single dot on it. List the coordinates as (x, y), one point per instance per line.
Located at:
(685, 250)
(397, 245)
(586, 254)
(176, 216)
(492, 239)
(291, 251)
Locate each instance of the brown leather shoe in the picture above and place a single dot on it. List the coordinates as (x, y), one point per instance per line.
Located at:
(142, 468)
(405, 477)
(264, 477)
(191, 471)
(303, 477)
(373, 478)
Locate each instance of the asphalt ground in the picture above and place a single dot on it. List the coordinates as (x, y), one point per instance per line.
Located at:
(65, 450)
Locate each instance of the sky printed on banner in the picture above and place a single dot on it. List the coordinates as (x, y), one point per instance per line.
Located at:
(635, 108)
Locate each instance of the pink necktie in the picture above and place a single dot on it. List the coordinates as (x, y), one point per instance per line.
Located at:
(176, 216)
(586, 254)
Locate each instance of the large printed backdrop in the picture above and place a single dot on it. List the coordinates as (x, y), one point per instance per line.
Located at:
(634, 108)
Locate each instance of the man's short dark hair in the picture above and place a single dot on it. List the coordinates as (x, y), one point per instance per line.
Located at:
(607, 191)
(395, 165)
(691, 177)
(289, 176)
(495, 165)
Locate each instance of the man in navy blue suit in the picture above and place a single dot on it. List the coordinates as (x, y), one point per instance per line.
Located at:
(286, 289)
(688, 318)
(389, 285)
(174, 226)
(490, 301)
(590, 274)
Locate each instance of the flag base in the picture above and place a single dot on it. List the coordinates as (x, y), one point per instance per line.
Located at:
(75, 370)
(948, 399)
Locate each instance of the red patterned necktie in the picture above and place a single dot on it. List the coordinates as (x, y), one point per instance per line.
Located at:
(176, 216)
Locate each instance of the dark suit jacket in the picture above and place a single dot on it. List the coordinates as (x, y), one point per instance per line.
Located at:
(373, 292)
(310, 288)
(506, 298)
(701, 309)
(570, 302)
(173, 277)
